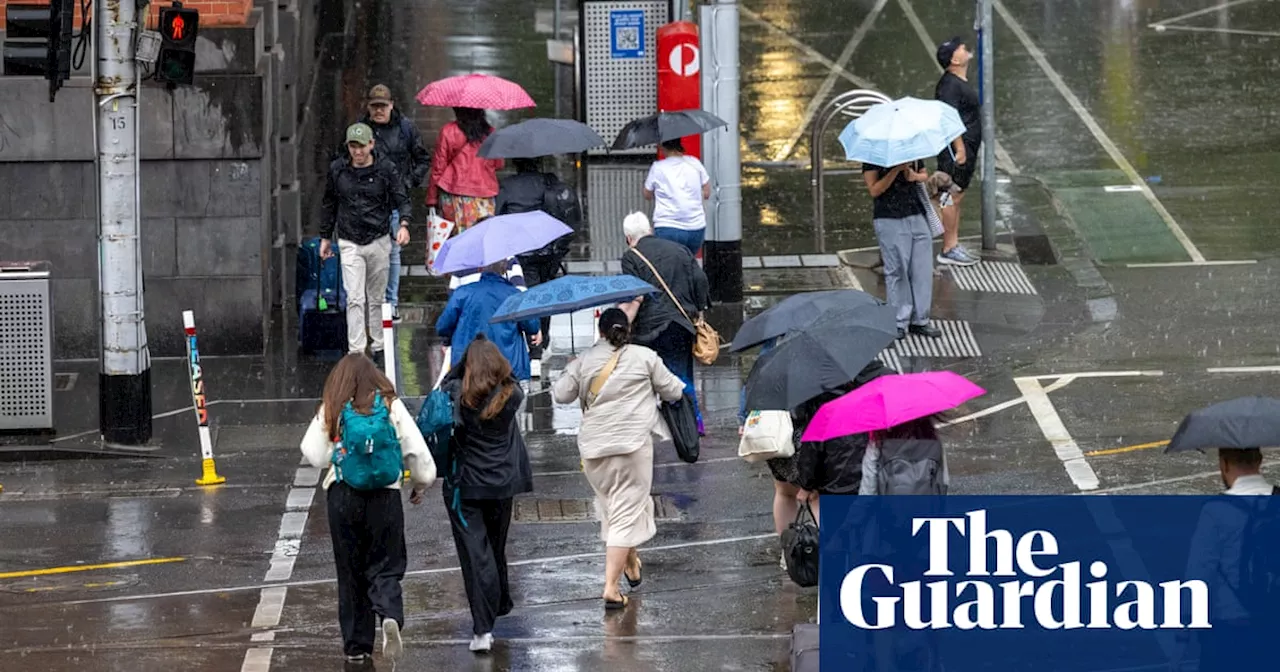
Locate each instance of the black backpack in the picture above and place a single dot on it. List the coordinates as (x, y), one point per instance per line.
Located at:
(1259, 587)
(560, 201)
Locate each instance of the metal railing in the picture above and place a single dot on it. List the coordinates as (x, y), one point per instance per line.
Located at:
(851, 104)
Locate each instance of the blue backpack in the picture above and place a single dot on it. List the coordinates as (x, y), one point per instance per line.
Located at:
(368, 456)
(435, 421)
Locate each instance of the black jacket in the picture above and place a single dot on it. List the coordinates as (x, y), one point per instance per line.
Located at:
(831, 467)
(398, 140)
(682, 274)
(358, 201)
(492, 460)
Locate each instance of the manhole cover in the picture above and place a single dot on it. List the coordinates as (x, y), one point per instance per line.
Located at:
(68, 584)
(534, 510)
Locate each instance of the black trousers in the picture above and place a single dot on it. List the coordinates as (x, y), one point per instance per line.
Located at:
(538, 270)
(482, 554)
(367, 527)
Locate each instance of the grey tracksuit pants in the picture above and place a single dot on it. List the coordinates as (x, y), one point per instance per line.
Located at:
(906, 245)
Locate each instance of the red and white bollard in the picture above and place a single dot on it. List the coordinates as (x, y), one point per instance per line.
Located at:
(389, 343)
(208, 470)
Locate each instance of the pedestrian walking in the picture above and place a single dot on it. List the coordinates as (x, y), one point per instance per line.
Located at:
(397, 139)
(906, 243)
(461, 182)
(361, 192)
(678, 185)
(487, 466)
(532, 189)
(658, 322)
(615, 383)
(906, 459)
(467, 315)
(961, 158)
(365, 433)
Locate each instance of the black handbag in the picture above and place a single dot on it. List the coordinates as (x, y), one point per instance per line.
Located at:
(800, 545)
(683, 424)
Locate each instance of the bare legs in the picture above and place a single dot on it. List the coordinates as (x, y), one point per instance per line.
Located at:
(616, 560)
(785, 506)
(951, 223)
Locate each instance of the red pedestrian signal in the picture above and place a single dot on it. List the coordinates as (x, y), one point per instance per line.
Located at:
(175, 29)
(176, 63)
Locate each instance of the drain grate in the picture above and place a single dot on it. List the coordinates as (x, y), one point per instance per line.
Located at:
(957, 341)
(535, 510)
(63, 382)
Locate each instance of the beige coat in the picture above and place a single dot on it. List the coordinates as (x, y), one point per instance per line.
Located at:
(625, 416)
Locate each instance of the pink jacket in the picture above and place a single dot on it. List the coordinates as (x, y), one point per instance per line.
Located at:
(458, 169)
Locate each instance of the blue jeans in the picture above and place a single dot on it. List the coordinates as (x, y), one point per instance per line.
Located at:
(690, 239)
(393, 273)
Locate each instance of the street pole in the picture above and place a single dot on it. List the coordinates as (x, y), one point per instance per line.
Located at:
(124, 381)
(722, 254)
(988, 128)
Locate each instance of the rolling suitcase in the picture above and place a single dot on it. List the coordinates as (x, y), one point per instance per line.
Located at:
(322, 303)
(313, 272)
(804, 648)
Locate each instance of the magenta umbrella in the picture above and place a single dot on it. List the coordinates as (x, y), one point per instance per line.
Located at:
(888, 401)
(484, 92)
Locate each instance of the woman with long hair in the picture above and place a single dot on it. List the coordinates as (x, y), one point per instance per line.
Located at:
(486, 466)
(615, 382)
(366, 519)
(462, 183)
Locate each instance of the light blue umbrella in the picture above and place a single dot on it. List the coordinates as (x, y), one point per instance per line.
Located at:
(901, 131)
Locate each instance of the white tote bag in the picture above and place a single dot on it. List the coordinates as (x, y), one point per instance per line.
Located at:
(766, 435)
(438, 230)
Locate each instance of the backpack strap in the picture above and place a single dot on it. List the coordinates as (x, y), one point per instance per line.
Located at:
(598, 383)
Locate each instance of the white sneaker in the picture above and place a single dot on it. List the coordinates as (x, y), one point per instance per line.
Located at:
(782, 561)
(482, 643)
(535, 368)
(392, 645)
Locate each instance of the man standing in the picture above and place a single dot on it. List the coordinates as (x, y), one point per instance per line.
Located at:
(960, 159)
(398, 141)
(359, 197)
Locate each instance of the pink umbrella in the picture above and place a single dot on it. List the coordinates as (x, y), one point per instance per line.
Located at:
(888, 401)
(485, 92)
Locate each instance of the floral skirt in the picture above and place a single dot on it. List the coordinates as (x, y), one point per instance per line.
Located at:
(465, 211)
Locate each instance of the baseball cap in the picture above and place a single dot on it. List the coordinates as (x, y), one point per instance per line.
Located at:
(948, 49)
(359, 133)
(380, 94)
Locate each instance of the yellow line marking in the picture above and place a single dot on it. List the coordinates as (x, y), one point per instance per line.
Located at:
(87, 568)
(1127, 449)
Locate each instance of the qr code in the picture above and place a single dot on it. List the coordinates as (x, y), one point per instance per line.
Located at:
(628, 39)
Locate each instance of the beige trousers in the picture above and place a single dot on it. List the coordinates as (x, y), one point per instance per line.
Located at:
(364, 276)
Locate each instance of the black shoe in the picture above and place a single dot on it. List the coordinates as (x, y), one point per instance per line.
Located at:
(360, 663)
(380, 359)
(902, 333)
(395, 316)
(927, 330)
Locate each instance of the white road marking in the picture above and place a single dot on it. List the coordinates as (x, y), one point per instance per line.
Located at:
(1244, 369)
(1169, 481)
(1181, 264)
(1051, 426)
(1228, 31)
(306, 477)
(1199, 12)
(1101, 136)
(986, 411)
(808, 50)
(270, 606)
(257, 660)
(1094, 374)
(820, 98)
(664, 465)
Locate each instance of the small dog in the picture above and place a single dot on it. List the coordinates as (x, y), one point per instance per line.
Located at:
(941, 189)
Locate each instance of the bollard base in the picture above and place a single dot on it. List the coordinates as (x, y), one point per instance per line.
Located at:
(209, 474)
(723, 265)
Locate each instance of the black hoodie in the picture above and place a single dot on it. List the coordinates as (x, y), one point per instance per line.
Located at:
(492, 460)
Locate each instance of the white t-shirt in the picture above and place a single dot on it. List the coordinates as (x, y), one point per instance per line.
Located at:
(676, 183)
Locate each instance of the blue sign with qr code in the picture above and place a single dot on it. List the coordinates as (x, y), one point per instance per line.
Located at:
(626, 33)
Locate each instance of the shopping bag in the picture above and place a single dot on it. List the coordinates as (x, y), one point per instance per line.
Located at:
(438, 230)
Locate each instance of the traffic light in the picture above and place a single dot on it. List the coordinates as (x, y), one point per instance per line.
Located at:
(176, 63)
(37, 41)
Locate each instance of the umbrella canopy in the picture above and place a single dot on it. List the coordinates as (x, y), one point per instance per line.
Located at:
(904, 130)
(485, 92)
(499, 238)
(889, 401)
(797, 312)
(821, 358)
(664, 126)
(540, 137)
(1247, 422)
(569, 293)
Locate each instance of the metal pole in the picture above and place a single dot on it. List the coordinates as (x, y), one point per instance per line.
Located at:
(555, 67)
(124, 382)
(988, 129)
(723, 251)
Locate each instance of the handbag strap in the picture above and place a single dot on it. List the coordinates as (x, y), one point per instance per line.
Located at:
(598, 382)
(662, 282)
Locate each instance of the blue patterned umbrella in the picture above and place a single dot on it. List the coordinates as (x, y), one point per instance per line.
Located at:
(569, 293)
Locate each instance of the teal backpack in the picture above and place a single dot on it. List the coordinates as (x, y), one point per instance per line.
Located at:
(368, 457)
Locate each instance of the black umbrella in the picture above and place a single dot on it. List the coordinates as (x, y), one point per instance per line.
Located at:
(1247, 422)
(797, 312)
(827, 355)
(540, 137)
(664, 126)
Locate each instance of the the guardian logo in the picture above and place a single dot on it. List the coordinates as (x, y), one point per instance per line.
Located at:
(1041, 588)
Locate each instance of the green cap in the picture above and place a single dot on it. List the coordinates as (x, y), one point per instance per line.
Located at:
(359, 133)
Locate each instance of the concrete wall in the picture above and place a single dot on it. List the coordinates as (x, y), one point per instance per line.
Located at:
(216, 200)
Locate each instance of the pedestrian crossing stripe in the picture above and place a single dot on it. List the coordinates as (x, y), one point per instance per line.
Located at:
(890, 359)
(957, 341)
(1000, 277)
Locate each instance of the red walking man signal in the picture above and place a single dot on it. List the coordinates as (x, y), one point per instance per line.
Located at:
(175, 29)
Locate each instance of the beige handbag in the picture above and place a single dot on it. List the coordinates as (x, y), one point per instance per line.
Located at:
(706, 343)
(766, 435)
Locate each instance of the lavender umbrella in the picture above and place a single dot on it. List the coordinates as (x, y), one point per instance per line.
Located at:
(499, 238)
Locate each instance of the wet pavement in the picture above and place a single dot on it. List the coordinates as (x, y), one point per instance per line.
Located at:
(1089, 362)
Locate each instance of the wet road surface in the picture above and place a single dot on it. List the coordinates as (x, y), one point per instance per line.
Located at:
(1087, 372)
